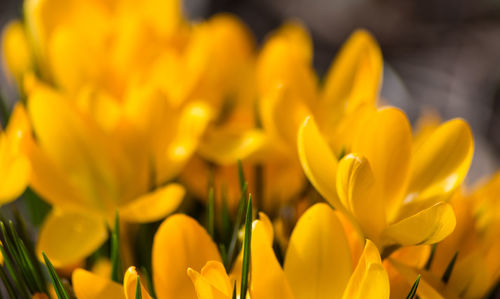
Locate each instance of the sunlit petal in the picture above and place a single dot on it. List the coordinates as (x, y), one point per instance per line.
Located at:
(318, 259)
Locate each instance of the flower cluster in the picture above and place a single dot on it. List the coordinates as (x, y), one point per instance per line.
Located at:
(223, 169)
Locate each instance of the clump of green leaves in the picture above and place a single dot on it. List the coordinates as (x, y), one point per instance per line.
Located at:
(22, 273)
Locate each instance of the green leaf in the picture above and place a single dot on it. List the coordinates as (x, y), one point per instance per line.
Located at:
(246, 249)
(449, 269)
(116, 271)
(149, 281)
(56, 281)
(138, 292)
(12, 262)
(36, 283)
(237, 222)
(223, 253)
(226, 219)
(241, 175)
(4, 111)
(211, 212)
(431, 257)
(7, 284)
(413, 291)
(342, 153)
(15, 275)
(234, 290)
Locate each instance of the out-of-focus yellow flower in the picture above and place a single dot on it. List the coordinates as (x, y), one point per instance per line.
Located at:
(318, 263)
(17, 55)
(476, 244)
(112, 46)
(91, 286)
(383, 185)
(179, 243)
(89, 169)
(290, 91)
(14, 164)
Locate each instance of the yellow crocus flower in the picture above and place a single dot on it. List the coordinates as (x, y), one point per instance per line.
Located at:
(179, 243)
(318, 264)
(88, 171)
(111, 46)
(287, 92)
(14, 164)
(383, 185)
(475, 242)
(289, 89)
(91, 286)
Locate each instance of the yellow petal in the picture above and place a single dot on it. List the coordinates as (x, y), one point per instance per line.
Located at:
(228, 146)
(318, 260)
(356, 73)
(191, 125)
(90, 286)
(51, 183)
(369, 280)
(268, 279)
(426, 124)
(72, 61)
(155, 205)
(286, 59)
(16, 50)
(180, 243)
(130, 284)
(386, 142)
(165, 17)
(442, 160)
(318, 162)
(13, 160)
(425, 227)
(357, 189)
(15, 171)
(282, 113)
(212, 283)
(68, 237)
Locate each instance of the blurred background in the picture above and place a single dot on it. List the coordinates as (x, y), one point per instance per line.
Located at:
(441, 55)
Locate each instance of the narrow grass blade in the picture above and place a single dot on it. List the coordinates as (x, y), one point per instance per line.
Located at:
(7, 284)
(234, 290)
(431, 257)
(237, 222)
(149, 281)
(241, 175)
(413, 291)
(211, 212)
(449, 269)
(138, 292)
(56, 281)
(246, 249)
(116, 272)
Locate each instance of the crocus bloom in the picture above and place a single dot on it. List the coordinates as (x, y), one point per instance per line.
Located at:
(475, 242)
(89, 172)
(383, 184)
(318, 263)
